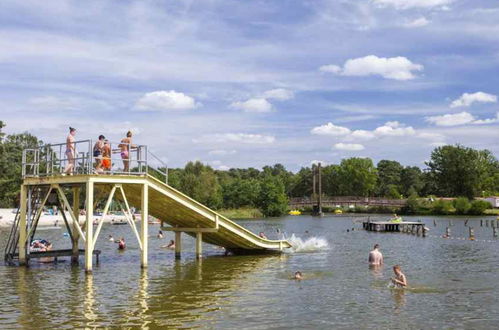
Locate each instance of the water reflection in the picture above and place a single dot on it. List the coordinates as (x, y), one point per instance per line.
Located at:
(398, 296)
(89, 302)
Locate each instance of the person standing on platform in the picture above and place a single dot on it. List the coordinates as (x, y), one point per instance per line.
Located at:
(70, 151)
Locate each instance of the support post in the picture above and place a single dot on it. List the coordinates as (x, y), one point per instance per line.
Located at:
(144, 226)
(76, 234)
(22, 227)
(199, 245)
(472, 233)
(178, 244)
(89, 246)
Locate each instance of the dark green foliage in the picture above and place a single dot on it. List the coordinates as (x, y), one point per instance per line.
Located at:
(273, 201)
(389, 178)
(442, 207)
(462, 205)
(479, 206)
(357, 177)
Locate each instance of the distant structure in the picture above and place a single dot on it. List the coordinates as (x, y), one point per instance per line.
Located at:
(317, 189)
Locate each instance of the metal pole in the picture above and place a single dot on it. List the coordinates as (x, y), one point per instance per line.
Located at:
(144, 226)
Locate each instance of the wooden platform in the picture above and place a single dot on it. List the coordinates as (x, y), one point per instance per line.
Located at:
(388, 226)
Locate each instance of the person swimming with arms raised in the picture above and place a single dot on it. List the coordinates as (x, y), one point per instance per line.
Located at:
(375, 256)
(400, 281)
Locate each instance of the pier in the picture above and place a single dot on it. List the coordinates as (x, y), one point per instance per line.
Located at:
(388, 226)
(143, 187)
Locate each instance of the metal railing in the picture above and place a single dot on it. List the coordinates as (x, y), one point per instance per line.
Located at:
(57, 159)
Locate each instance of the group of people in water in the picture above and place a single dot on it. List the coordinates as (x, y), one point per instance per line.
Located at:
(376, 260)
(102, 152)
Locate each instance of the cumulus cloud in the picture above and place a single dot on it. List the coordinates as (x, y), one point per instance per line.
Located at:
(467, 99)
(253, 105)
(397, 68)
(242, 138)
(362, 135)
(331, 130)
(451, 119)
(394, 128)
(52, 103)
(165, 101)
(349, 146)
(221, 152)
(279, 94)
(419, 22)
(408, 4)
(488, 120)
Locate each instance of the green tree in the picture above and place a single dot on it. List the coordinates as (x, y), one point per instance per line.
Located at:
(462, 205)
(273, 201)
(479, 206)
(302, 186)
(357, 177)
(389, 177)
(241, 192)
(461, 171)
(200, 182)
(411, 180)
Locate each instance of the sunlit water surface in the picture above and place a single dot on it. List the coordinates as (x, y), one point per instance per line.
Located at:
(454, 283)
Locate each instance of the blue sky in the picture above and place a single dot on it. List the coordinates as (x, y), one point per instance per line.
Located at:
(251, 83)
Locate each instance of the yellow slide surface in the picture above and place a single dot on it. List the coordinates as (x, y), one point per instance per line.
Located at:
(178, 210)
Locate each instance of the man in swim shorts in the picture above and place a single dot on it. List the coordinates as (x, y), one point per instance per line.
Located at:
(375, 256)
(98, 152)
(70, 151)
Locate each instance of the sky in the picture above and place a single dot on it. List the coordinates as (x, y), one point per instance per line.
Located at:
(253, 83)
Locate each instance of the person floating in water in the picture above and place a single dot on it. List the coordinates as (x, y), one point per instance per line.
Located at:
(298, 276)
(121, 244)
(160, 234)
(375, 256)
(399, 280)
(170, 245)
(111, 238)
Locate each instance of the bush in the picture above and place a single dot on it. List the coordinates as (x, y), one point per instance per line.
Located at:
(462, 205)
(413, 206)
(441, 207)
(479, 206)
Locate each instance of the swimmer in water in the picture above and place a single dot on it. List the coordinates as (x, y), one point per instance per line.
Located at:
(170, 245)
(262, 235)
(399, 280)
(121, 244)
(111, 238)
(375, 256)
(160, 234)
(298, 276)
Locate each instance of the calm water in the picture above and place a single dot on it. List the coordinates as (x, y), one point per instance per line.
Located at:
(454, 283)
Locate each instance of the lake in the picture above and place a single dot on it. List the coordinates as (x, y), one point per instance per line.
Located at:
(454, 283)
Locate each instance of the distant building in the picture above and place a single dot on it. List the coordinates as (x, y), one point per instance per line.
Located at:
(494, 200)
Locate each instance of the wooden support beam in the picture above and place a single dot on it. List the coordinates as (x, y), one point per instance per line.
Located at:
(39, 213)
(144, 209)
(22, 227)
(71, 212)
(89, 226)
(178, 244)
(129, 218)
(199, 245)
(101, 220)
(76, 225)
(190, 230)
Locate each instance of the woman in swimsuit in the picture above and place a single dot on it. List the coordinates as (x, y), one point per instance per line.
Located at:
(70, 151)
(125, 146)
(98, 147)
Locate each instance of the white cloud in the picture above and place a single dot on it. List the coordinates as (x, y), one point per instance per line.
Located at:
(317, 162)
(222, 152)
(330, 129)
(419, 22)
(236, 138)
(468, 99)
(52, 103)
(165, 101)
(394, 128)
(330, 68)
(279, 94)
(431, 136)
(408, 4)
(397, 68)
(487, 121)
(253, 105)
(451, 119)
(438, 144)
(362, 135)
(223, 168)
(349, 146)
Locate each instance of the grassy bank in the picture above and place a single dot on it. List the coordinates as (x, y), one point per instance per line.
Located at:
(242, 213)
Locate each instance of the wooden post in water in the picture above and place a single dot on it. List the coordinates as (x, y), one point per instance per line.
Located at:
(178, 244)
(424, 231)
(466, 222)
(144, 230)
(481, 223)
(434, 223)
(494, 231)
(199, 245)
(447, 231)
(22, 227)
(74, 232)
(89, 226)
(319, 199)
(472, 233)
(486, 223)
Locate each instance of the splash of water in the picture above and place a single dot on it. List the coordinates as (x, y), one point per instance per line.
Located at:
(312, 244)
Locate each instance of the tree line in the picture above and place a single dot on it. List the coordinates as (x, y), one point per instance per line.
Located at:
(453, 171)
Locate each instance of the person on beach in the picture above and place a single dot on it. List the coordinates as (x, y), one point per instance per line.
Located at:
(70, 151)
(399, 280)
(106, 156)
(125, 147)
(375, 256)
(298, 276)
(98, 151)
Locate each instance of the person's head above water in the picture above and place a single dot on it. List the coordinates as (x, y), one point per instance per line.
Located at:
(396, 269)
(129, 134)
(298, 275)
